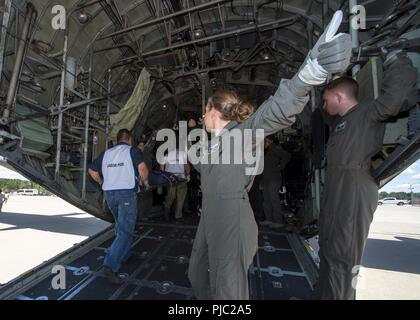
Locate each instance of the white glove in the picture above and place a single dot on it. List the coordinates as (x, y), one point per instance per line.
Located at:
(330, 55)
(329, 34)
(312, 73)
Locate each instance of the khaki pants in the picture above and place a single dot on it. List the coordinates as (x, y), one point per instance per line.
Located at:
(179, 192)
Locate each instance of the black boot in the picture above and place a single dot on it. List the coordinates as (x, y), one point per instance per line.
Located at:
(112, 276)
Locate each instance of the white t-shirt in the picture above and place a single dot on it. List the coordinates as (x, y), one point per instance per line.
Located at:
(175, 162)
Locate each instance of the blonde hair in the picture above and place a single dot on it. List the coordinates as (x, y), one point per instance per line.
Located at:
(231, 106)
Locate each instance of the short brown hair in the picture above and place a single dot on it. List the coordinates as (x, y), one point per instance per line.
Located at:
(123, 135)
(347, 85)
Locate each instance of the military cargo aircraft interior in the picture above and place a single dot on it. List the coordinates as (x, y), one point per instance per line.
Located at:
(73, 73)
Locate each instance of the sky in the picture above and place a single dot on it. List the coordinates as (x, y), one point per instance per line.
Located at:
(9, 174)
(400, 183)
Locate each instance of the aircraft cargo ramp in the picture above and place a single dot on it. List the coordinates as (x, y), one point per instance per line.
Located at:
(157, 269)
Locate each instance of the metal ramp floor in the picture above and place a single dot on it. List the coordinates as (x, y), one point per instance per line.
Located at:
(157, 269)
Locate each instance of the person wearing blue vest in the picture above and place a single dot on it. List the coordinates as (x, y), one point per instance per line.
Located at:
(120, 171)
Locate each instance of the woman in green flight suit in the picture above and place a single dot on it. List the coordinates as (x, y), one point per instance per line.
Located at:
(226, 239)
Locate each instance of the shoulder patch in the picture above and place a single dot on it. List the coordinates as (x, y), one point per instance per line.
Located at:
(341, 126)
(214, 148)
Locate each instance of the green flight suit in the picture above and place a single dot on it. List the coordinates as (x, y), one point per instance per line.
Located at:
(350, 195)
(226, 239)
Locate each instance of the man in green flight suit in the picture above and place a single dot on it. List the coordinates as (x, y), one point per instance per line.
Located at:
(350, 195)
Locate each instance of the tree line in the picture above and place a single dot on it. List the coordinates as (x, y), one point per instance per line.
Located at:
(399, 195)
(11, 185)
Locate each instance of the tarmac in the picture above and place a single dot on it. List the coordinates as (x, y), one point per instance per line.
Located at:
(35, 229)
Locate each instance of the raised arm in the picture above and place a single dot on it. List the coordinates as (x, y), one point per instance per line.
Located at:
(279, 111)
(330, 55)
(398, 91)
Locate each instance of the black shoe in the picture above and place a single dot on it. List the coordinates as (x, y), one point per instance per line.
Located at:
(112, 276)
